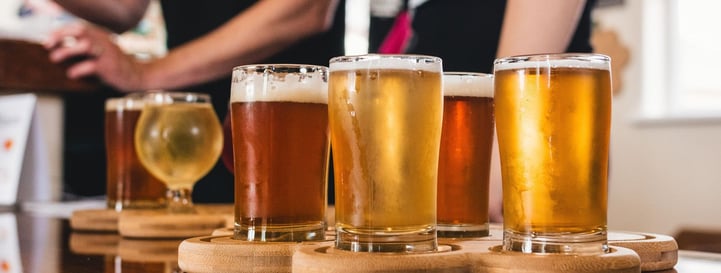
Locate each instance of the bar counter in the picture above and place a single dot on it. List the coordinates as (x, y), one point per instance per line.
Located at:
(42, 241)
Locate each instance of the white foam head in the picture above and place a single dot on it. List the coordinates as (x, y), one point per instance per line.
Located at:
(380, 61)
(569, 60)
(467, 84)
(280, 82)
(130, 102)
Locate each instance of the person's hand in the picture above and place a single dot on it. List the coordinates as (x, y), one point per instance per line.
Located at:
(96, 54)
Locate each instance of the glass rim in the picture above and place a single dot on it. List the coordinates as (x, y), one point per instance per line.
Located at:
(124, 103)
(167, 97)
(282, 68)
(571, 60)
(594, 57)
(376, 56)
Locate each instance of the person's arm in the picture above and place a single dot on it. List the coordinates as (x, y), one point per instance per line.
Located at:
(116, 15)
(257, 33)
(532, 26)
(261, 31)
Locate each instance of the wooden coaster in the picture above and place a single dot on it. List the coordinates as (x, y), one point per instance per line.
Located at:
(618, 260)
(317, 259)
(160, 224)
(657, 252)
(95, 220)
(139, 250)
(223, 254)
(94, 243)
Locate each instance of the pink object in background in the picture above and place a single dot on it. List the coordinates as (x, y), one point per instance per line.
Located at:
(398, 36)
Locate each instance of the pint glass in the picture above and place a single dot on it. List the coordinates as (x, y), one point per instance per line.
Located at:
(385, 119)
(465, 155)
(129, 184)
(553, 116)
(279, 122)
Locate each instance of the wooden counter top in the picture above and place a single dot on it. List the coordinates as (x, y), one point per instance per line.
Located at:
(25, 66)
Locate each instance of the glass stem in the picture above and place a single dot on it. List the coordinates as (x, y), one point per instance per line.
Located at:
(180, 200)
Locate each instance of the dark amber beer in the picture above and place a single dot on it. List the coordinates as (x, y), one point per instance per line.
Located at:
(279, 121)
(385, 119)
(553, 116)
(465, 155)
(129, 184)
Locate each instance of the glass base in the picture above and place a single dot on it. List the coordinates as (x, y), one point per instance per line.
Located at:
(462, 230)
(284, 233)
(408, 242)
(587, 243)
(179, 201)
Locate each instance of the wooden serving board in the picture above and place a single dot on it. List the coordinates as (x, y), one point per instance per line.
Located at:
(95, 220)
(154, 223)
(618, 260)
(321, 259)
(223, 254)
(629, 252)
(141, 250)
(161, 224)
(94, 243)
(657, 252)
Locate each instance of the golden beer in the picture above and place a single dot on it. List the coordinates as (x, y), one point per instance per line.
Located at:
(279, 121)
(178, 139)
(465, 155)
(385, 120)
(129, 184)
(179, 156)
(553, 116)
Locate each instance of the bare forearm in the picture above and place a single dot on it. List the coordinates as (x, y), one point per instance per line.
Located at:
(116, 15)
(259, 32)
(532, 26)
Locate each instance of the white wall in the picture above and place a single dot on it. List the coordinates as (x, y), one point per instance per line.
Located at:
(664, 175)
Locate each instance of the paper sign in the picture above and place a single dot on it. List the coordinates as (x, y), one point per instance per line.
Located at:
(16, 112)
(10, 261)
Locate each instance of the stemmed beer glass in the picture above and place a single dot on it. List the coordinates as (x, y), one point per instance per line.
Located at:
(179, 139)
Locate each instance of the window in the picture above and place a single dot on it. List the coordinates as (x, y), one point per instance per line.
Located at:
(681, 58)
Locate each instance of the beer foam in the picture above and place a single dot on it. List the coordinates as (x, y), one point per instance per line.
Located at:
(255, 85)
(538, 61)
(124, 103)
(468, 84)
(379, 61)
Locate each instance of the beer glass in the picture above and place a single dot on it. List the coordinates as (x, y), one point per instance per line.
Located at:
(385, 121)
(178, 139)
(129, 184)
(465, 155)
(553, 116)
(279, 122)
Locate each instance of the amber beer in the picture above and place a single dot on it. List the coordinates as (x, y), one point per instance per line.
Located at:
(279, 120)
(129, 184)
(385, 120)
(553, 116)
(465, 155)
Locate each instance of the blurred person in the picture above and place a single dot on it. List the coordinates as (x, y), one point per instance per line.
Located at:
(469, 35)
(205, 41)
